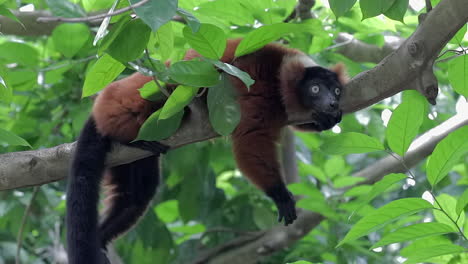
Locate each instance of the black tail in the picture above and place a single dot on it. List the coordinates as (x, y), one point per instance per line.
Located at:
(83, 195)
(132, 186)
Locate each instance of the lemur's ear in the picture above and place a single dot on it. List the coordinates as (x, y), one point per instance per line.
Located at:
(340, 70)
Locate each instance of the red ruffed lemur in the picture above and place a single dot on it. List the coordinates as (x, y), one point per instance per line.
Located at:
(287, 82)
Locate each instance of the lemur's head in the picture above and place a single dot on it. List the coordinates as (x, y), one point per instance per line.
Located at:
(313, 91)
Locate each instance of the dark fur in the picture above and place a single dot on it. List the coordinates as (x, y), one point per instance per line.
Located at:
(132, 187)
(119, 112)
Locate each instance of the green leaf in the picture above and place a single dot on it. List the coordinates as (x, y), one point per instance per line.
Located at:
(234, 71)
(6, 12)
(261, 36)
(458, 74)
(371, 8)
(156, 13)
(194, 73)
(129, 44)
(263, 218)
(318, 206)
(167, 211)
(209, 40)
(405, 123)
(423, 254)
(448, 204)
(176, 102)
(312, 170)
(103, 72)
(446, 154)
(351, 142)
(384, 215)
(458, 38)
(70, 38)
(165, 37)
(379, 187)
(223, 108)
(334, 166)
(300, 262)
(340, 7)
(63, 8)
(6, 93)
(192, 21)
(397, 10)
(347, 181)
(12, 139)
(21, 53)
(150, 91)
(462, 202)
(413, 232)
(155, 129)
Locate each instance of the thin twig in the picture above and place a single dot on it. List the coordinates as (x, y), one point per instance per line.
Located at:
(450, 218)
(19, 240)
(91, 18)
(428, 6)
(411, 175)
(55, 67)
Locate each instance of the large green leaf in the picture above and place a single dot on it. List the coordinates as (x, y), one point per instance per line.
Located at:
(156, 13)
(458, 74)
(340, 7)
(165, 37)
(12, 139)
(192, 21)
(209, 40)
(462, 202)
(194, 73)
(7, 13)
(397, 10)
(155, 129)
(321, 207)
(70, 38)
(458, 38)
(63, 8)
(405, 122)
(413, 232)
(351, 142)
(167, 211)
(17, 52)
(234, 71)
(384, 215)
(261, 36)
(449, 204)
(426, 253)
(224, 110)
(129, 44)
(446, 154)
(103, 72)
(180, 98)
(379, 187)
(371, 8)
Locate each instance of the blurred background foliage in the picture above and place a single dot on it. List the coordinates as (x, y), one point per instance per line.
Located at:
(204, 201)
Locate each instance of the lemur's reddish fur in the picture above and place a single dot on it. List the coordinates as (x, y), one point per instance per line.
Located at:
(280, 74)
(119, 110)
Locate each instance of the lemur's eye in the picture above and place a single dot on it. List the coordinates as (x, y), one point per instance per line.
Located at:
(315, 89)
(337, 91)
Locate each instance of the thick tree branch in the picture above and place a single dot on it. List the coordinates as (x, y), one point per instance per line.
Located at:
(408, 67)
(280, 237)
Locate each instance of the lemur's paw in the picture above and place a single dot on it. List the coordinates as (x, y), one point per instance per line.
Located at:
(284, 202)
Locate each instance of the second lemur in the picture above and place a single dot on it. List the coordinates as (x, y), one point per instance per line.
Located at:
(287, 83)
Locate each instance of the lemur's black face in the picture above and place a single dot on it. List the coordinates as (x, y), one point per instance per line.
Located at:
(320, 91)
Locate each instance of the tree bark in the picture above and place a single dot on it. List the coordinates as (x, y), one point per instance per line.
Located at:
(408, 67)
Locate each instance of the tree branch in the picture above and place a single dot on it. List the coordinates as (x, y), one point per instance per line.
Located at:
(280, 237)
(408, 67)
(99, 17)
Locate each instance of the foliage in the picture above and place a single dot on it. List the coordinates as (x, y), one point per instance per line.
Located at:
(204, 202)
